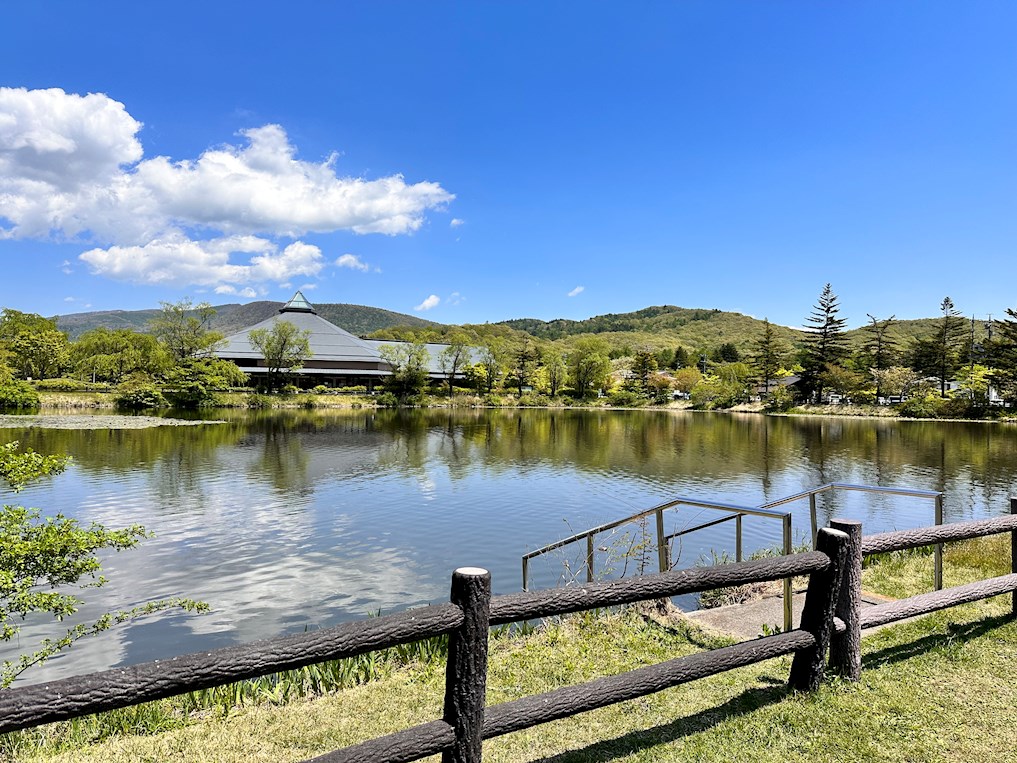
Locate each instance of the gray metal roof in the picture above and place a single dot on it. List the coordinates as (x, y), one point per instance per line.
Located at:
(329, 343)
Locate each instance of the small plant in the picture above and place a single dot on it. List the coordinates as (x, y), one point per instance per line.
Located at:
(770, 630)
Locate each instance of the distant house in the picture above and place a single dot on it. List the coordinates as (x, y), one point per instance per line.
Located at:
(338, 359)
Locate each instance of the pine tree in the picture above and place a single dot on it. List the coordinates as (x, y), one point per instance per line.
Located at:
(768, 356)
(826, 344)
(880, 347)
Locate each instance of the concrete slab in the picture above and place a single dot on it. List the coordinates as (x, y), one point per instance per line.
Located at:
(746, 621)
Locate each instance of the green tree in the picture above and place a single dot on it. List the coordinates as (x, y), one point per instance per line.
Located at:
(768, 357)
(826, 344)
(726, 353)
(555, 371)
(34, 347)
(43, 559)
(524, 356)
(194, 383)
(408, 362)
(939, 355)
(1004, 357)
(454, 358)
(492, 357)
(185, 329)
(110, 355)
(644, 364)
(589, 365)
(880, 347)
(284, 347)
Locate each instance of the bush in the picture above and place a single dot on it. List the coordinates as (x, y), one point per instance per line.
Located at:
(256, 400)
(69, 385)
(16, 395)
(290, 389)
(626, 398)
(387, 400)
(136, 394)
(322, 389)
(355, 389)
(780, 400)
(920, 407)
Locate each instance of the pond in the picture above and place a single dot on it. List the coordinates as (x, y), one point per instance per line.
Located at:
(284, 521)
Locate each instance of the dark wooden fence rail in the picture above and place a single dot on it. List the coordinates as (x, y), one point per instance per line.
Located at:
(845, 652)
(466, 722)
(831, 621)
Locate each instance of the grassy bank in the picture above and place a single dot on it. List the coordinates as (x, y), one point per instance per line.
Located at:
(938, 689)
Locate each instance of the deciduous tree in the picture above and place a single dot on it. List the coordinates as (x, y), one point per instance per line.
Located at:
(284, 347)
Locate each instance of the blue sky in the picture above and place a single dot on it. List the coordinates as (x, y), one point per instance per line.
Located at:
(474, 162)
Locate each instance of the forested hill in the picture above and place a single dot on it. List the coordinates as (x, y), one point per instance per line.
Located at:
(357, 319)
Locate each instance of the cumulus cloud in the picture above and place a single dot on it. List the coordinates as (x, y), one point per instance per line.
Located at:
(247, 292)
(72, 167)
(352, 262)
(455, 222)
(176, 260)
(432, 301)
(577, 291)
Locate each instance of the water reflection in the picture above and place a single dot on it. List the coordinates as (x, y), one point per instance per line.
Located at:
(287, 520)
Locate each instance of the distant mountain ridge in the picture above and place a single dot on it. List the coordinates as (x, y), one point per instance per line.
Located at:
(230, 318)
(653, 327)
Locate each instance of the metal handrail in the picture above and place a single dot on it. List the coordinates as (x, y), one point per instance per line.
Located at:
(736, 513)
(935, 495)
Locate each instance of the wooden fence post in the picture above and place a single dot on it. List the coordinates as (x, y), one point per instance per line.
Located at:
(807, 668)
(846, 647)
(466, 673)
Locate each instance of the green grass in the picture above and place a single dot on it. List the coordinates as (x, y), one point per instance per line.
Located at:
(941, 688)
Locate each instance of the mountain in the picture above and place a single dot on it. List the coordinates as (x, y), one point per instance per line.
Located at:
(357, 319)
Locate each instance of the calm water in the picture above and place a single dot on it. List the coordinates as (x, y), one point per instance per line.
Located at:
(287, 521)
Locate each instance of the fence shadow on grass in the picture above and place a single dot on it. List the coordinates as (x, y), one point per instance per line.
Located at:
(955, 632)
(612, 749)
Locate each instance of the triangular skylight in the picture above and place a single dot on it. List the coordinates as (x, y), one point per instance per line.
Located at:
(298, 304)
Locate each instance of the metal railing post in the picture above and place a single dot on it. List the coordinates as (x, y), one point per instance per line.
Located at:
(466, 671)
(786, 522)
(526, 573)
(939, 546)
(738, 538)
(589, 558)
(661, 549)
(812, 515)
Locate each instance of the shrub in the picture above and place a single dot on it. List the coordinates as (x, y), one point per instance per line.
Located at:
(69, 385)
(138, 394)
(321, 389)
(387, 400)
(256, 400)
(626, 398)
(355, 389)
(920, 407)
(780, 400)
(16, 395)
(290, 389)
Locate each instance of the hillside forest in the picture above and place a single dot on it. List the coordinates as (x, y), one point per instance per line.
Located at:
(948, 365)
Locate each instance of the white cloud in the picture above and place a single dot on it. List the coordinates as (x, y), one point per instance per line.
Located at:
(577, 291)
(72, 167)
(178, 261)
(455, 298)
(352, 262)
(455, 222)
(69, 299)
(247, 292)
(428, 303)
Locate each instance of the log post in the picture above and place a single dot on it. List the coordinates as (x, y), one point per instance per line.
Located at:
(846, 647)
(466, 672)
(807, 668)
(1013, 556)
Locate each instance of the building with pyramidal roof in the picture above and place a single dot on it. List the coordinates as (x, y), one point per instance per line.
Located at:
(338, 358)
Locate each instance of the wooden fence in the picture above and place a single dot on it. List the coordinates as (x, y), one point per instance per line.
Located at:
(831, 621)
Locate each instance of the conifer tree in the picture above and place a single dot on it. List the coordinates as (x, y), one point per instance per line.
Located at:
(826, 344)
